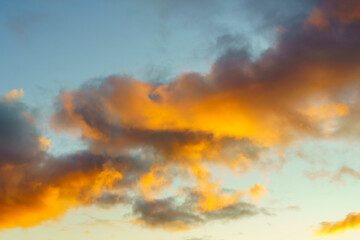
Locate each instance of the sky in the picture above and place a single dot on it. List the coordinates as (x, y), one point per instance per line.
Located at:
(184, 120)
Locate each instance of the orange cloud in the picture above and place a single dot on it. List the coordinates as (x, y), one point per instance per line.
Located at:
(153, 182)
(257, 191)
(43, 202)
(14, 94)
(351, 222)
(210, 193)
(35, 186)
(326, 111)
(44, 143)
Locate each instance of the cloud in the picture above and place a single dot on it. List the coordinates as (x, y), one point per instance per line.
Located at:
(337, 176)
(269, 101)
(229, 116)
(45, 143)
(174, 216)
(235, 211)
(257, 191)
(293, 208)
(294, 90)
(351, 222)
(154, 181)
(165, 213)
(142, 136)
(346, 171)
(14, 94)
(35, 186)
(345, 11)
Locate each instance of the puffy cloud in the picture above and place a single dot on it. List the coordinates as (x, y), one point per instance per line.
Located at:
(269, 101)
(228, 116)
(142, 135)
(231, 114)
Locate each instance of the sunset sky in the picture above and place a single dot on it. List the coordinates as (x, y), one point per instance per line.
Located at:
(181, 120)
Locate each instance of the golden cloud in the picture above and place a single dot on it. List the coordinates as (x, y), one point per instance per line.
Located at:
(351, 222)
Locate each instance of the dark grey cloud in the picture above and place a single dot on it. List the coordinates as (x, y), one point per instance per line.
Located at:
(173, 215)
(165, 212)
(236, 211)
(18, 137)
